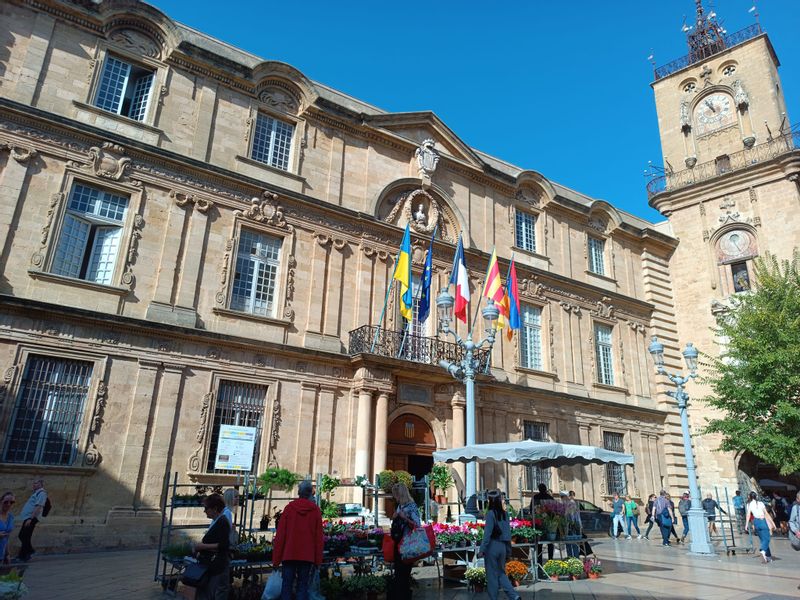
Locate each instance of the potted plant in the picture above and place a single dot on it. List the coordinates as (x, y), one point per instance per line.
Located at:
(554, 569)
(476, 578)
(177, 550)
(553, 523)
(516, 571)
(574, 567)
(592, 568)
(442, 480)
(358, 585)
(277, 479)
(404, 477)
(331, 587)
(386, 480)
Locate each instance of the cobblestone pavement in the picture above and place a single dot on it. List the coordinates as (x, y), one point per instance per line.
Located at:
(633, 569)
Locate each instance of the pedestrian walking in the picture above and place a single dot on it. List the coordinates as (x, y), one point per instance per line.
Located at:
(684, 504)
(781, 509)
(31, 514)
(738, 508)
(794, 524)
(664, 516)
(711, 506)
(618, 515)
(632, 516)
(672, 531)
(6, 524)
(539, 498)
(405, 519)
(762, 523)
(298, 543)
(212, 551)
(649, 518)
(496, 547)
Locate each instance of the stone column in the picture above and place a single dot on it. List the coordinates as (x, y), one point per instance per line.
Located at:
(363, 433)
(458, 404)
(381, 433)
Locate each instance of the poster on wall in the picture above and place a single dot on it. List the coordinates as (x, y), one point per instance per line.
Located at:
(235, 448)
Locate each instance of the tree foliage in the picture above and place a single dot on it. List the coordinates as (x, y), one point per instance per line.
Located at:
(756, 379)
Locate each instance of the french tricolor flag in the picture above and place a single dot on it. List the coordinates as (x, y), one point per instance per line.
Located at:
(460, 278)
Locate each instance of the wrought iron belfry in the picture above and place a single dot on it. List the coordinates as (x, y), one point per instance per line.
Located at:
(707, 37)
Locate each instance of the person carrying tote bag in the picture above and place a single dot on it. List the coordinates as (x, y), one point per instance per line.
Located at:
(404, 521)
(762, 523)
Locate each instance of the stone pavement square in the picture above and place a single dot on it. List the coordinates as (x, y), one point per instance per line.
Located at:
(633, 569)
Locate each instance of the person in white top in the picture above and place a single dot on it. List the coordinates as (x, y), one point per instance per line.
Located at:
(762, 523)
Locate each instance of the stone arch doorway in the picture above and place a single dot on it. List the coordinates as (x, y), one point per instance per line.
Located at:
(410, 445)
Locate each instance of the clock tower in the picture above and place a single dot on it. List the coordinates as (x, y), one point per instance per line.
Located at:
(730, 191)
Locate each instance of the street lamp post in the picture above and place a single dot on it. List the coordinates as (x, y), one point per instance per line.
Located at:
(464, 370)
(700, 543)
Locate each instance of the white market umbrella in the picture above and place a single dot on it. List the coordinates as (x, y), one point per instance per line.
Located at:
(528, 452)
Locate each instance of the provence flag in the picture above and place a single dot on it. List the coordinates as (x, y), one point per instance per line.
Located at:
(402, 273)
(493, 288)
(514, 321)
(424, 308)
(460, 278)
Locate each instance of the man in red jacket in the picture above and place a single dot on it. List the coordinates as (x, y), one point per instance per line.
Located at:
(298, 542)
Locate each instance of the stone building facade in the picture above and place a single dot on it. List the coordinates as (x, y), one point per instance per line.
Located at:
(730, 192)
(191, 236)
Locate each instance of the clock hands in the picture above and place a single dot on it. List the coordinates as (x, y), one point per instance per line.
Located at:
(711, 106)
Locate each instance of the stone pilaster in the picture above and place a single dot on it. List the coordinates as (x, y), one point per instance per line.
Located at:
(363, 433)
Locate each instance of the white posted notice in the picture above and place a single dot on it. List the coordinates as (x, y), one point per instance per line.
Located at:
(235, 448)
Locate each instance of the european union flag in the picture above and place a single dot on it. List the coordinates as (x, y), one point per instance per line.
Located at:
(425, 295)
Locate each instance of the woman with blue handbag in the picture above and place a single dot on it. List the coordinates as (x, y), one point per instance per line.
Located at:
(405, 519)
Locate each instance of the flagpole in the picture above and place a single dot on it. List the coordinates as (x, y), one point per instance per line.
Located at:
(383, 310)
(416, 296)
(478, 307)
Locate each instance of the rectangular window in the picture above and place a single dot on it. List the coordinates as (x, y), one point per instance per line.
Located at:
(242, 405)
(525, 231)
(538, 432)
(615, 474)
(255, 282)
(47, 415)
(272, 142)
(597, 255)
(603, 355)
(125, 89)
(88, 244)
(530, 338)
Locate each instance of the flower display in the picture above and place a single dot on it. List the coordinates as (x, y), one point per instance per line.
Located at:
(471, 534)
(475, 575)
(340, 538)
(516, 570)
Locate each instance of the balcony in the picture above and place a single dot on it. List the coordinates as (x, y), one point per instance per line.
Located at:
(705, 52)
(728, 163)
(415, 348)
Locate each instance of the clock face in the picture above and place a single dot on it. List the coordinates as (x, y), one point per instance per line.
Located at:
(714, 112)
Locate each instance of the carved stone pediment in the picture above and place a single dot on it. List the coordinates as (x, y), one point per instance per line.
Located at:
(135, 41)
(265, 210)
(422, 212)
(109, 161)
(279, 99)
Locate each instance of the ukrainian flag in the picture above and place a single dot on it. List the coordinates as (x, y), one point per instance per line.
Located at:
(402, 273)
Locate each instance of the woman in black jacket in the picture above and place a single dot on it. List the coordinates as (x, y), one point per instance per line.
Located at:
(213, 551)
(649, 519)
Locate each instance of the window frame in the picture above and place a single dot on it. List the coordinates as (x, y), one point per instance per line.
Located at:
(535, 216)
(96, 388)
(293, 160)
(122, 279)
(542, 366)
(265, 263)
(590, 255)
(530, 471)
(609, 468)
(598, 379)
(157, 86)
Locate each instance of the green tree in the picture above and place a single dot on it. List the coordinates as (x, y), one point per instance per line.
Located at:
(756, 380)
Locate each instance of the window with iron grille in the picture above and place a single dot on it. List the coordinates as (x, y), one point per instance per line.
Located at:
(255, 281)
(124, 88)
(597, 255)
(615, 474)
(538, 432)
(525, 231)
(46, 421)
(88, 244)
(530, 338)
(272, 142)
(603, 354)
(240, 404)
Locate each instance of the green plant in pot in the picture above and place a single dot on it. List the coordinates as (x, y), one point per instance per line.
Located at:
(404, 477)
(371, 585)
(386, 479)
(276, 478)
(476, 577)
(442, 479)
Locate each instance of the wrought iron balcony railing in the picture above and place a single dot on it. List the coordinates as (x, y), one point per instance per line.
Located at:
(725, 164)
(414, 348)
(707, 51)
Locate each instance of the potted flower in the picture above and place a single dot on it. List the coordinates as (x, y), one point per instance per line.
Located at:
(574, 567)
(554, 569)
(592, 568)
(516, 571)
(476, 578)
(442, 480)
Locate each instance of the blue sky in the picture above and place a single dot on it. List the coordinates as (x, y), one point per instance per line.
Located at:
(561, 88)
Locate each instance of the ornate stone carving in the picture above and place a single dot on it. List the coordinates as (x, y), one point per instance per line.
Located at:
(569, 307)
(530, 288)
(184, 200)
(637, 327)
(265, 210)
(604, 308)
(427, 160)
(740, 97)
(133, 251)
(421, 211)
(702, 209)
(279, 99)
(194, 459)
(686, 120)
(91, 64)
(275, 432)
(136, 42)
(598, 224)
(8, 377)
(19, 154)
(109, 161)
(288, 310)
(223, 276)
(381, 254)
(92, 456)
(213, 353)
(531, 197)
(705, 75)
(37, 260)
